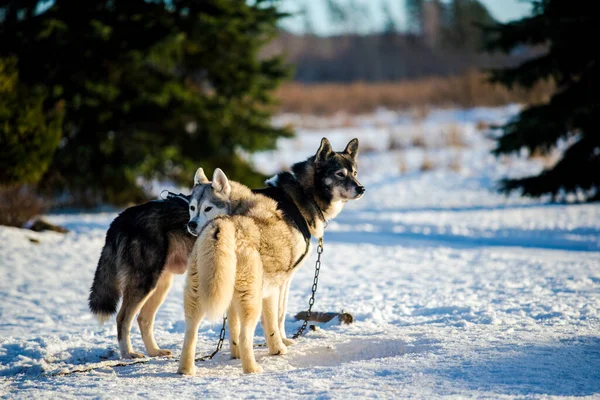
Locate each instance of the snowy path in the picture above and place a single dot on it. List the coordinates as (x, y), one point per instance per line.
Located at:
(456, 292)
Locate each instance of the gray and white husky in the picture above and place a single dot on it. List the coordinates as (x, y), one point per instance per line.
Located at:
(145, 246)
(243, 262)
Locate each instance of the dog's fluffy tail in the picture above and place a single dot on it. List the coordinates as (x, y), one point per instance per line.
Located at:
(211, 270)
(105, 294)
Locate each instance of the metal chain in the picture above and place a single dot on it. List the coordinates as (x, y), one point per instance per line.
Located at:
(219, 344)
(311, 301)
(314, 290)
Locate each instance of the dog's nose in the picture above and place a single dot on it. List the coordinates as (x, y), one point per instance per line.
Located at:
(361, 189)
(192, 225)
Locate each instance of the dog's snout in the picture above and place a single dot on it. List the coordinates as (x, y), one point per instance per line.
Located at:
(361, 190)
(192, 225)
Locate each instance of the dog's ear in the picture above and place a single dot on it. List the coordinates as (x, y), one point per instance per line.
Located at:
(324, 151)
(220, 183)
(352, 148)
(200, 177)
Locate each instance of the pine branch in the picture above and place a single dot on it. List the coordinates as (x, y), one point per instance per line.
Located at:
(528, 73)
(581, 157)
(527, 31)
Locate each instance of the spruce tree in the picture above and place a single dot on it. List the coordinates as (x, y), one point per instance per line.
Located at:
(30, 131)
(151, 89)
(571, 116)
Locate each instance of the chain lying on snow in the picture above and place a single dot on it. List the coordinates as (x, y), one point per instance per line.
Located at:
(96, 366)
(122, 363)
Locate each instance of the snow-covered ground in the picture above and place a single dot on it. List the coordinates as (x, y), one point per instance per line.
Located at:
(456, 290)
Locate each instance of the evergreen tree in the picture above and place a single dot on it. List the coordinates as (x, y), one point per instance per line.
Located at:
(151, 89)
(29, 131)
(571, 115)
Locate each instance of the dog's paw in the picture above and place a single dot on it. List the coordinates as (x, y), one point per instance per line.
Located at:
(253, 369)
(235, 352)
(132, 355)
(279, 350)
(160, 353)
(189, 371)
(288, 342)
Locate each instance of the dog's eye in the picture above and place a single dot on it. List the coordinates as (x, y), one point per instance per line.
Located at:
(192, 208)
(207, 209)
(340, 174)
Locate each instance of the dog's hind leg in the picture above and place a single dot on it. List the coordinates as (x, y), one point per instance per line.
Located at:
(193, 317)
(270, 322)
(249, 308)
(247, 301)
(233, 321)
(133, 300)
(148, 313)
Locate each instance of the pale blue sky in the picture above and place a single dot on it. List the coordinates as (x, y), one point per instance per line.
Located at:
(502, 10)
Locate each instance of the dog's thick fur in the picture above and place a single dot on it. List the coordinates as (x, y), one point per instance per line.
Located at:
(144, 247)
(243, 263)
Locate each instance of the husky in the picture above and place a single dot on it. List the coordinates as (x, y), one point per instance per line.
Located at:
(145, 246)
(242, 263)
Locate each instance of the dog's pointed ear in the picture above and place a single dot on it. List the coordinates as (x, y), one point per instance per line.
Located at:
(220, 183)
(200, 177)
(352, 148)
(324, 151)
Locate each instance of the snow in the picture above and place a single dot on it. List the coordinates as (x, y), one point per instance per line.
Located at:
(456, 290)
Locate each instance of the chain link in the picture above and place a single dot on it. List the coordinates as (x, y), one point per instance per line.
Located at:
(311, 301)
(219, 344)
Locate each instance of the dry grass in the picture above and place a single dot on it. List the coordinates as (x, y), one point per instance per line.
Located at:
(419, 141)
(468, 90)
(395, 142)
(427, 164)
(19, 205)
(402, 166)
(456, 136)
(482, 126)
(455, 163)
(547, 159)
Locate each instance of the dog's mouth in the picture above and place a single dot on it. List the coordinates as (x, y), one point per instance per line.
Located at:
(192, 232)
(350, 196)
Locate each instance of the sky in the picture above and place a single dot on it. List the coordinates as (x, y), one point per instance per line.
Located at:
(502, 10)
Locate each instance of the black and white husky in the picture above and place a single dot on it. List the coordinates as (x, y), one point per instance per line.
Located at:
(145, 246)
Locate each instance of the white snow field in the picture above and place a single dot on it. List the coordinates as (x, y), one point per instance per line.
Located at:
(456, 291)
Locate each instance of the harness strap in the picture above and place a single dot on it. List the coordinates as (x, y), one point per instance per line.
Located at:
(173, 196)
(288, 207)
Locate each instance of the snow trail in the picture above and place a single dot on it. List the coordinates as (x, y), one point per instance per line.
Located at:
(456, 291)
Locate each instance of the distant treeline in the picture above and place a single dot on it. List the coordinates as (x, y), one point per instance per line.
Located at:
(442, 39)
(381, 58)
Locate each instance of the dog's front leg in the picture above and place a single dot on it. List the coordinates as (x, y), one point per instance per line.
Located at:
(270, 321)
(283, 300)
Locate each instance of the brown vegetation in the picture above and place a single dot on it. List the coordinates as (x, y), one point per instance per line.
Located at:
(427, 164)
(19, 205)
(468, 90)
